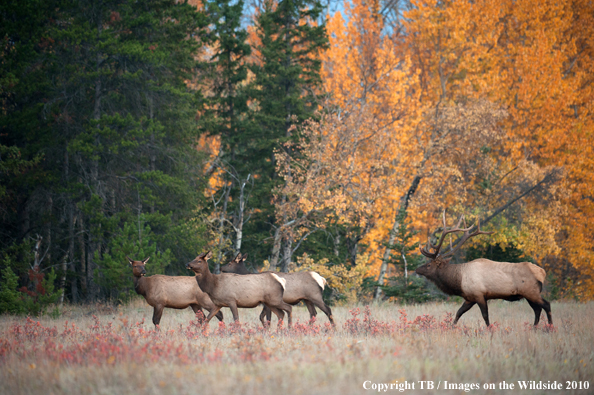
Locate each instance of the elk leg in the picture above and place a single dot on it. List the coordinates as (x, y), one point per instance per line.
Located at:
(234, 311)
(484, 310)
(465, 307)
(211, 314)
(157, 313)
(265, 316)
(196, 308)
(287, 307)
(268, 313)
(278, 312)
(310, 308)
(219, 315)
(547, 308)
(324, 307)
(537, 309)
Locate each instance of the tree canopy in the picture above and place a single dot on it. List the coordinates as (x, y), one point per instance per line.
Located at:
(169, 128)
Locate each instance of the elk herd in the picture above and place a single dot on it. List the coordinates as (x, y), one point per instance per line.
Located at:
(236, 287)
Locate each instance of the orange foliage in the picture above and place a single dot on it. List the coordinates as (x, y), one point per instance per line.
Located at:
(482, 100)
(370, 87)
(535, 60)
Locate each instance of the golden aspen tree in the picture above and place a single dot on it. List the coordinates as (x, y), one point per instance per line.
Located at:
(534, 60)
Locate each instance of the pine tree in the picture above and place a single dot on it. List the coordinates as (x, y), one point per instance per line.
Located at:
(226, 115)
(403, 286)
(285, 89)
(109, 108)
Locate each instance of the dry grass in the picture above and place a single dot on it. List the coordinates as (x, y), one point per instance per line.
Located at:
(48, 356)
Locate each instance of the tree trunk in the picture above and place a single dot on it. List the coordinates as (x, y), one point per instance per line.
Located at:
(83, 254)
(24, 217)
(63, 280)
(222, 218)
(36, 254)
(153, 157)
(240, 216)
(386, 258)
(71, 227)
(275, 249)
(91, 286)
(94, 234)
(287, 254)
(336, 240)
(48, 228)
(353, 247)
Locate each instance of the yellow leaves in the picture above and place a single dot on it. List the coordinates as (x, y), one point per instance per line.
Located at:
(539, 234)
(481, 99)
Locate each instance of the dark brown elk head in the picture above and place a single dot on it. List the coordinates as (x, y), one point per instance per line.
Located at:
(236, 265)
(439, 260)
(138, 267)
(200, 264)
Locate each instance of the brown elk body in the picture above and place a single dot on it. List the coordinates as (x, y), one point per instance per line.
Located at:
(481, 280)
(175, 292)
(300, 286)
(234, 290)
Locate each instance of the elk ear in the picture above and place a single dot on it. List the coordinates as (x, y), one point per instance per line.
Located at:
(201, 255)
(146, 260)
(130, 260)
(208, 255)
(442, 262)
(244, 257)
(237, 258)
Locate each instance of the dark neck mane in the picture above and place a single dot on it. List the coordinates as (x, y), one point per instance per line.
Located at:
(448, 278)
(207, 281)
(139, 285)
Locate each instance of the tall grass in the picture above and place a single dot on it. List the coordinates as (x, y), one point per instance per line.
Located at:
(102, 349)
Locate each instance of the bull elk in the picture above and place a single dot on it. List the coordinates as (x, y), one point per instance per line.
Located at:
(301, 286)
(482, 279)
(234, 290)
(175, 292)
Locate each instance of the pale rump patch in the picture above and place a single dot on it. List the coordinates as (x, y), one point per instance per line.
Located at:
(538, 272)
(319, 279)
(280, 280)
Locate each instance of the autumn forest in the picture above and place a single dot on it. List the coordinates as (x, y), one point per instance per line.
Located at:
(310, 135)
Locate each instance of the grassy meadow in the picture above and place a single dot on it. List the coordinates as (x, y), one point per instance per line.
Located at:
(115, 350)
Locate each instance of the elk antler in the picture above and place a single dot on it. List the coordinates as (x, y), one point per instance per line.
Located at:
(467, 235)
(426, 251)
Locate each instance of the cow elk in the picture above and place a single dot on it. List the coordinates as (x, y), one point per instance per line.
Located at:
(234, 290)
(482, 279)
(175, 292)
(301, 286)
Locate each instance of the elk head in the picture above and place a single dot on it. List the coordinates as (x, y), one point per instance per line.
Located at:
(438, 259)
(236, 265)
(138, 267)
(200, 265)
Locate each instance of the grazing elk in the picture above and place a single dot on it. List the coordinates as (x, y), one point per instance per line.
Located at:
(301, 286)
(175, 292)
(234, 290)
(480, 280)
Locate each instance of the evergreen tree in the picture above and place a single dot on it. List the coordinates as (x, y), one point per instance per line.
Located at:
(134, 240)
(100, 92)
(403, 286)
(285, 89)
(225, 110)
(225, 114)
